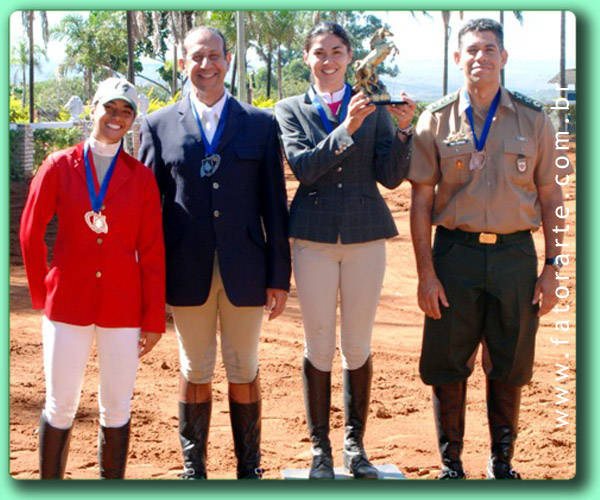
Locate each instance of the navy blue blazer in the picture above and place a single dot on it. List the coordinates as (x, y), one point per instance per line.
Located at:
(338, 173)
(240, 211)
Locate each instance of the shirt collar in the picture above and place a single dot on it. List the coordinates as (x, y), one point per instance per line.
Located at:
(337, 96)
(505, 100)
(216, 108)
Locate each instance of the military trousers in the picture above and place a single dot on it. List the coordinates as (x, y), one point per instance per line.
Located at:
(490, 291)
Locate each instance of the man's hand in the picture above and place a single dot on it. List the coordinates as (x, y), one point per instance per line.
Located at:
(276, 299)
(429, 294)
(545, 291)
(147, 341)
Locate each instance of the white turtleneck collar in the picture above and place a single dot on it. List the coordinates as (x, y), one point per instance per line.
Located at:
(101, 148)
(332, 97)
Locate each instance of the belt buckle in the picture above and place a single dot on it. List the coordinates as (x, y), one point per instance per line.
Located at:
(488, 238)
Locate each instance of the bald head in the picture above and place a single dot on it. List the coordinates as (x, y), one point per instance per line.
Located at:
(194, 33)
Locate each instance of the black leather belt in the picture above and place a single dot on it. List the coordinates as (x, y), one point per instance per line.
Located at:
(483, 238)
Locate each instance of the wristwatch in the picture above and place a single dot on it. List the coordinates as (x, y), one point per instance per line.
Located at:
(407, 131)
(555, 262)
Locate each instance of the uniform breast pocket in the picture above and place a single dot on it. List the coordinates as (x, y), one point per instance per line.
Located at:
(454, 162)
(518, 161)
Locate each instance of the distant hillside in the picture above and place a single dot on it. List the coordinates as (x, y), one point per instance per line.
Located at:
(423, 79)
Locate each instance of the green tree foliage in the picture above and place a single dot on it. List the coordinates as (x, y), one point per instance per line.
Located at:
(17, 112)
(95, 46)
(52, 95)
(48, 141)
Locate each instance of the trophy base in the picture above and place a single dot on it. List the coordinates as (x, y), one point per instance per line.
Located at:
(385, 99)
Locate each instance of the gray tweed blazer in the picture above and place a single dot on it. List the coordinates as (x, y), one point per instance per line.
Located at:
(338, 173)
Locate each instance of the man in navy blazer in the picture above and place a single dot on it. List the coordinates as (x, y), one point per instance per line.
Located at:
(218, 166)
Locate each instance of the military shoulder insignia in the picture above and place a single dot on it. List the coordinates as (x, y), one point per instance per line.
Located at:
(527, 101)
(443, 102)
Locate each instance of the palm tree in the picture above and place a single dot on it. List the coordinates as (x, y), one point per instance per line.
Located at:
(20, 57)
(224, 21)
(96, 45)
(80, 49)
(240, 50)
(446, 20)
(28, 18)
(130, 48)
(282, 28)
(262, 41)
(519, 16)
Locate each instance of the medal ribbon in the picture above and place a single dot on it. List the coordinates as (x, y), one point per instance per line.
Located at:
(211, 147)
(343, 108)
(98, 199)
(480, 143)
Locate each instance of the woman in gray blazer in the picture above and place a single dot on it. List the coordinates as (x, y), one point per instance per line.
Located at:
(339, 147)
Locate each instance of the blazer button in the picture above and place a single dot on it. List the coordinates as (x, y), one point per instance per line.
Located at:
(98, 274)
(103, 207)
(339, 169)
(99, 241)
(216, 213)
(339, 185)
(215, 185)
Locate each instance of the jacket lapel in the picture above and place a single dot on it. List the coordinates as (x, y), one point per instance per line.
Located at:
(78, 162)
(123, 171)
(233, 123)
(315, 116)
(187, 119)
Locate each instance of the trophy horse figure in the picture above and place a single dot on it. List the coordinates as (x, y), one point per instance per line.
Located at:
(366, 77)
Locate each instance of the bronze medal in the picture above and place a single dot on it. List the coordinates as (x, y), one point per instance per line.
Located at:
(477, 160)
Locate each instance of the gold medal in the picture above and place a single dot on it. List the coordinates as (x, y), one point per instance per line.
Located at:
(96, 222)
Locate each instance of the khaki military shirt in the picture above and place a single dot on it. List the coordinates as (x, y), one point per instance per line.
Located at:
(501, 197)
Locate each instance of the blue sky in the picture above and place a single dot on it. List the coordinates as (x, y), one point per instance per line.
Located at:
(533, 47)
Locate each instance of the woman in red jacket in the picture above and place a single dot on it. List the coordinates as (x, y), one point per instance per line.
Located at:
(106, 278)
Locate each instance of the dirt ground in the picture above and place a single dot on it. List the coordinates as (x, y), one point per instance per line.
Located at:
(400, 428)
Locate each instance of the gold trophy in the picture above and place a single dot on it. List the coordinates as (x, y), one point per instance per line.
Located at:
(366, 77)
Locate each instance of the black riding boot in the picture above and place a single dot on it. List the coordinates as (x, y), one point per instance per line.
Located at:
(317, 401)
(246, 424)
(113, 445)
(503, 402)
(357, 391)
(54, 450)
(449, 403)
(194, 420)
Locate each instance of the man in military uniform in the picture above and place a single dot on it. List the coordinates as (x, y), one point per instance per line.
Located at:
(483, 171)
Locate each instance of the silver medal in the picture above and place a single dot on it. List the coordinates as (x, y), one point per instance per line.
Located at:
(477, 160)
(209, 165)
(96, 222)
